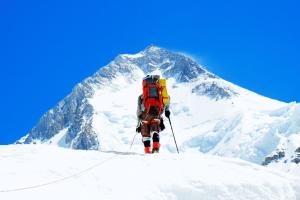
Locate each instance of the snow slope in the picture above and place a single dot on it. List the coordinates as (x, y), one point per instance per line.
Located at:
(210, 115)
(59, 173)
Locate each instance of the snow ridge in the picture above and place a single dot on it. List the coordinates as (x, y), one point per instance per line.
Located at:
(169, 176)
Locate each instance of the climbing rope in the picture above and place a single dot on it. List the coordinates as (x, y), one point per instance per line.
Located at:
(61, 179)
(67, 177)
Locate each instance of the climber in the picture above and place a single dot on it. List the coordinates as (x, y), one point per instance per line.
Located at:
(151, 105)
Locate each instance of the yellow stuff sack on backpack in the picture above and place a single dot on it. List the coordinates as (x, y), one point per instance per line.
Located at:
(164, 91)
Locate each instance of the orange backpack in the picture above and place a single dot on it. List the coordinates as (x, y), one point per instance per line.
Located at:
(152, 95)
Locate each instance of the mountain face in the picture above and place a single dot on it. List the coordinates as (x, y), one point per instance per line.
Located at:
(209, 114)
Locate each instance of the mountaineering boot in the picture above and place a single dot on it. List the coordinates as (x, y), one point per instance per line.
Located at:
(147, 144)
(147, 150)
(155, 148)
(156, 144)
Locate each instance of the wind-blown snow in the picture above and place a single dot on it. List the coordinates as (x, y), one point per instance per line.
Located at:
(122, 175)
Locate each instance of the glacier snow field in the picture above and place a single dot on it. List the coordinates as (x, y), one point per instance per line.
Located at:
(48, 172)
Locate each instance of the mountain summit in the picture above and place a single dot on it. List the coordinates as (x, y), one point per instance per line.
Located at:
(210, 115)
(172, 65)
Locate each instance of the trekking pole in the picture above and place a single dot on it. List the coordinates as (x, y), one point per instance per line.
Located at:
(173, 134)
(133, 140)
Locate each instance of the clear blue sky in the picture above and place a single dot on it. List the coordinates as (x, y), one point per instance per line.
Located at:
(46, 47)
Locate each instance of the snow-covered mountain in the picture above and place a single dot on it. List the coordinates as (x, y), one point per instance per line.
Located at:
(209, 115)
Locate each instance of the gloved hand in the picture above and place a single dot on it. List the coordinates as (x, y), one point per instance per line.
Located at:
(167, 113)
(161, 125)
(138, 129)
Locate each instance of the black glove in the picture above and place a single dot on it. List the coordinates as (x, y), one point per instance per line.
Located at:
(167, 113)
(138, 129)
(161, 125)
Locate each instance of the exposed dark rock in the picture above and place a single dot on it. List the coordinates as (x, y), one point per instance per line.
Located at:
(213, 91)
(296, 160)
(274, 158)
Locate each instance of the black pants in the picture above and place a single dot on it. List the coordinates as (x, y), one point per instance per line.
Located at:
(147, 130)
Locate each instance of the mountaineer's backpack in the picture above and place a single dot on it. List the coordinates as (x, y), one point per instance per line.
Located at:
(155, 95)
